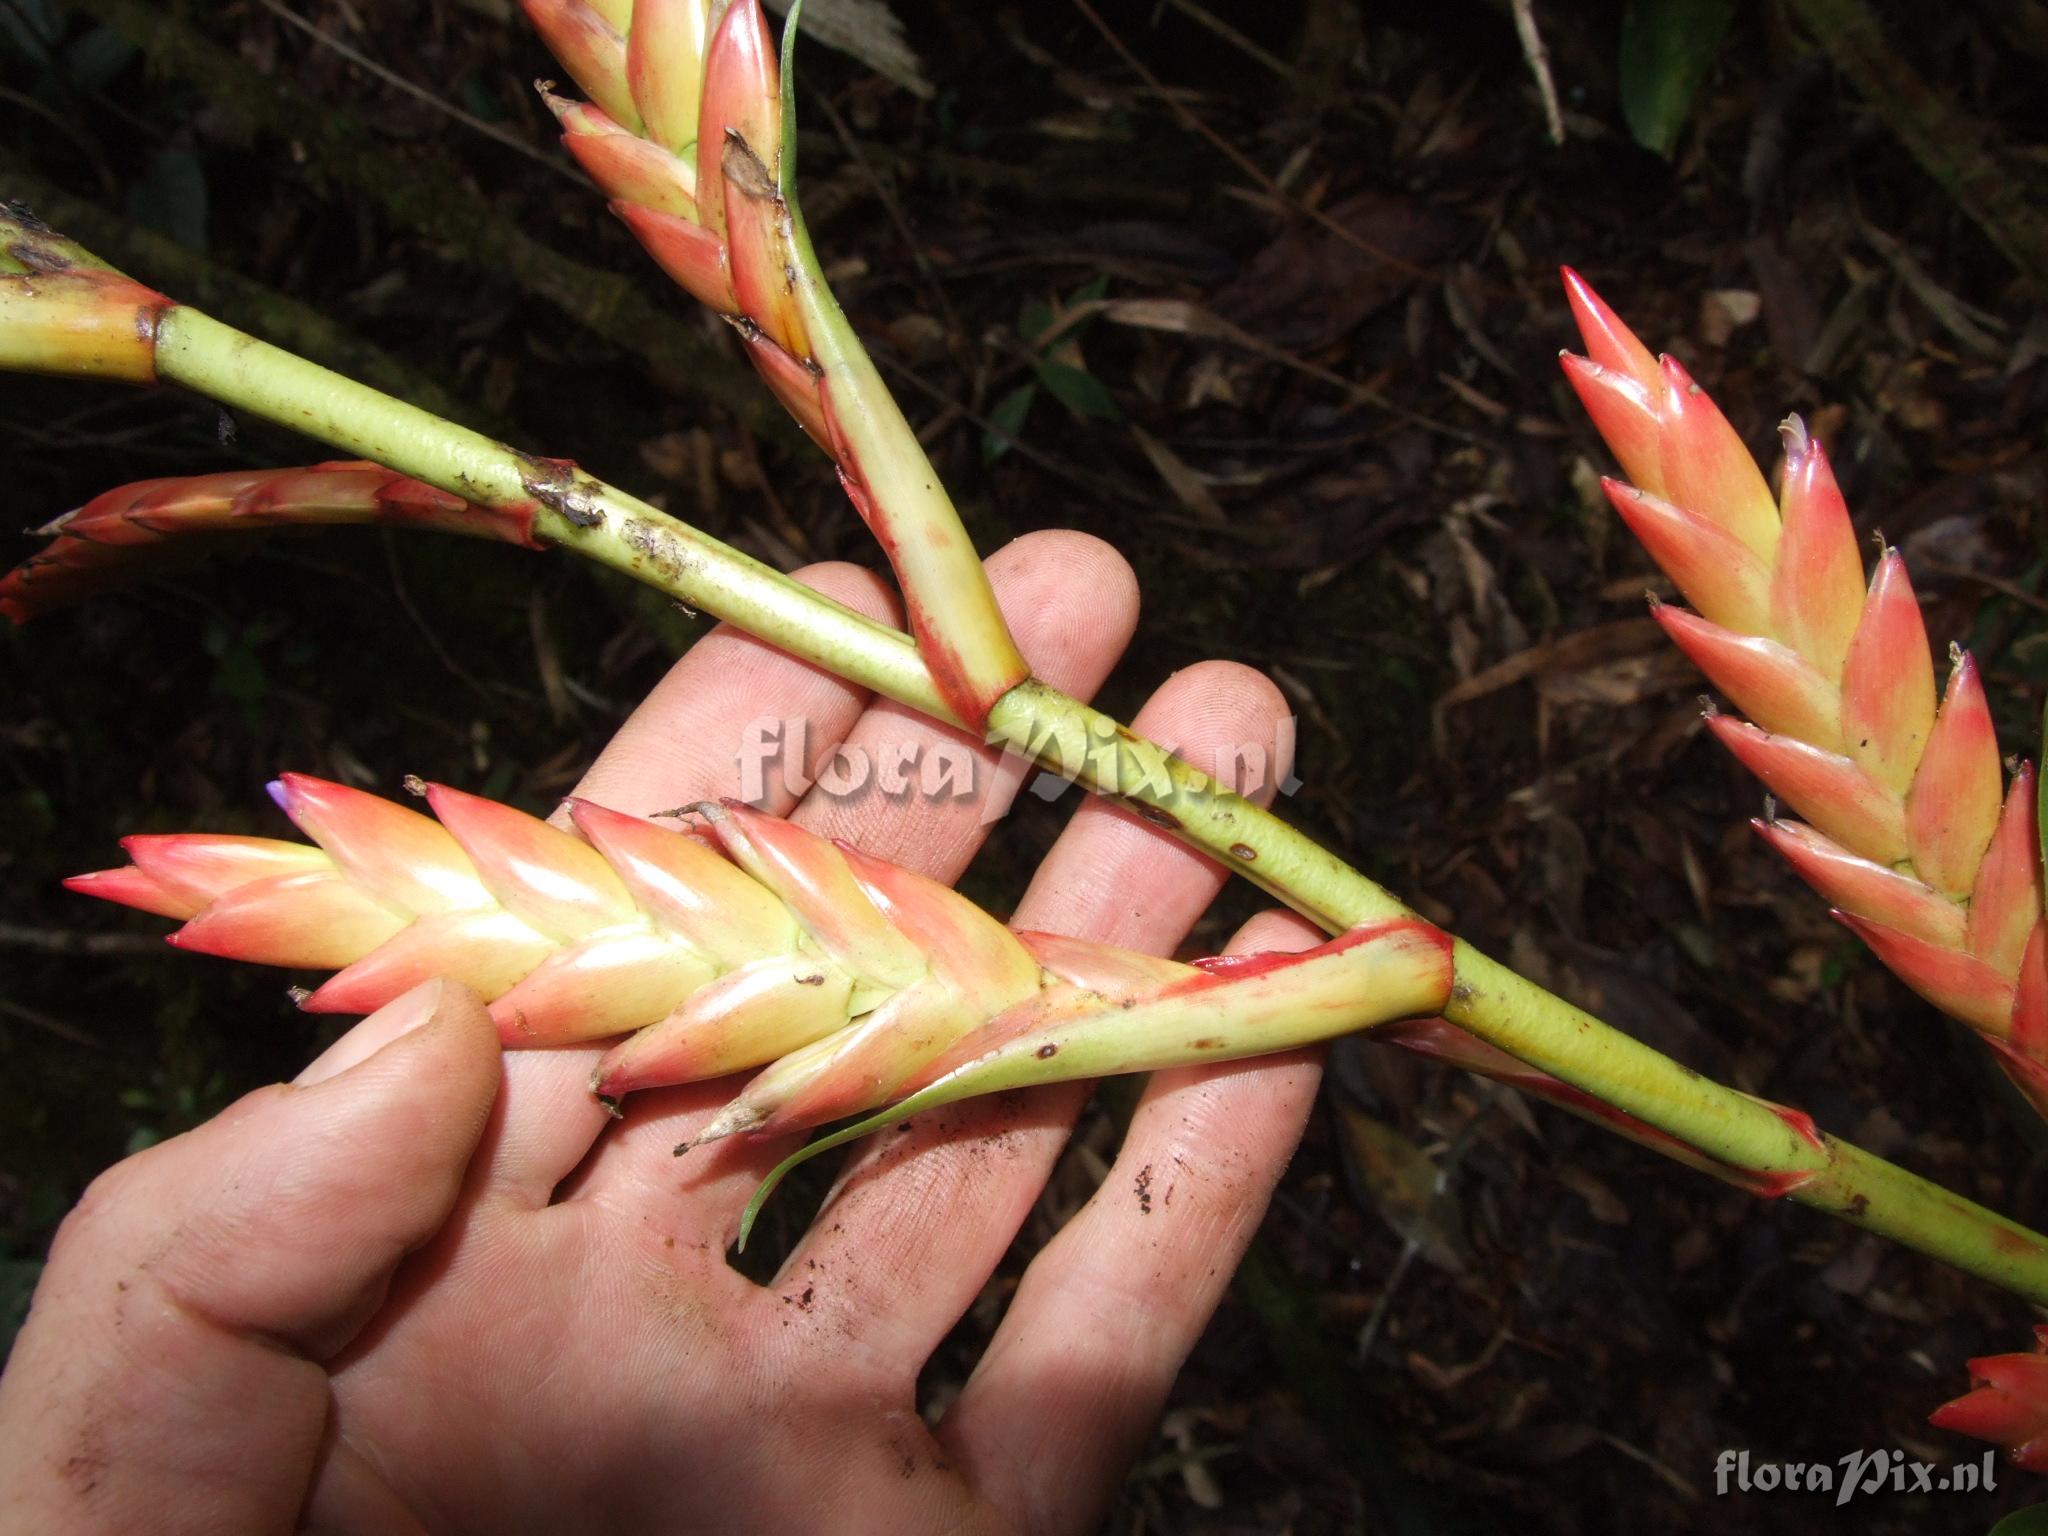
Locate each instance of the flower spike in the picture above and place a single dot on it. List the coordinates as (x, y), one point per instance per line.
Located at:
(1904, 832)
(1240, 1006)
(692, 141)
(117, 534)
(754, 944)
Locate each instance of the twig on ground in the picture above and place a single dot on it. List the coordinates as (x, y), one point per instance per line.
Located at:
(1533, 53)
(1949, 147)
(65, 941)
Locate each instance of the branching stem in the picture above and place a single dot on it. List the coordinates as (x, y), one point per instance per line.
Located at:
(1761, 1145)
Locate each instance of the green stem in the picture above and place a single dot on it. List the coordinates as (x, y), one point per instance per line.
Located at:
(1075, 741)
(575, 509)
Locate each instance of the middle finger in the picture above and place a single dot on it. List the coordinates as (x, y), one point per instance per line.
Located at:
(1071, 603)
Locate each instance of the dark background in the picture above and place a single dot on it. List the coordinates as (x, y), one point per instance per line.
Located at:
(1576, 1328)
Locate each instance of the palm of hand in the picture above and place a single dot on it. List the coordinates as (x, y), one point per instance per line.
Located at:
(573, 1351)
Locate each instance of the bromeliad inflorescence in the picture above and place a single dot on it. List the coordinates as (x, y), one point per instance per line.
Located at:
(690, 133)
(745, 943)
(1904, 831)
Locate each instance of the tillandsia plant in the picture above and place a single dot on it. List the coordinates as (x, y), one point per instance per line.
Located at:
(738, 942)
(1909, 834)
(756, 942)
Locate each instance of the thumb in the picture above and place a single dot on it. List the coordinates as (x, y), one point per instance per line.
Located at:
(299, 1201)
(162, 1378)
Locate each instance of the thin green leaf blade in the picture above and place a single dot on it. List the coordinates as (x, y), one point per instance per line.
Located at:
(1006, 422)
(1078, 390)
(1667, 47)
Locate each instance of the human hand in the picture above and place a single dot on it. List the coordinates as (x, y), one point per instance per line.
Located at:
(169, 1378)
(573, 1352)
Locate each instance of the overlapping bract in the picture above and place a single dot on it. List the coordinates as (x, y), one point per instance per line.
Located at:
(1904, 828)
(663, 84)
(102, 543)
(2007, 1404)
(743, 942)
(684, 132)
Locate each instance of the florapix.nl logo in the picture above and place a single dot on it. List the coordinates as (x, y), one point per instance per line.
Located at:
(1858, 1474)
(1091, 749)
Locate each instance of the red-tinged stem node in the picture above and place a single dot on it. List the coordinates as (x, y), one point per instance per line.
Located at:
(79, 322)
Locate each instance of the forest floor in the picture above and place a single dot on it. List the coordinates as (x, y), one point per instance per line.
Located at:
(1275, 311)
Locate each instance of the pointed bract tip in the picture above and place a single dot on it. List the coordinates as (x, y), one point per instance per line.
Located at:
(1608, 340)
(2007, 1404)
(1958, 983)
(129, 886)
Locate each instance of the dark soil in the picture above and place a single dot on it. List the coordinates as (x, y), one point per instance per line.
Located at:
(1464, 1311)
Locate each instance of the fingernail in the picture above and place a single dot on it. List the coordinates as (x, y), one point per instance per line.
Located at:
(396, 1019)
